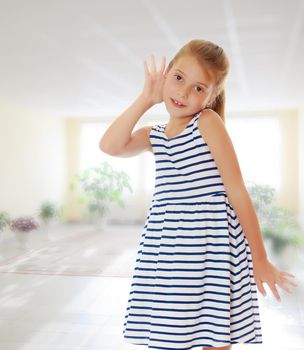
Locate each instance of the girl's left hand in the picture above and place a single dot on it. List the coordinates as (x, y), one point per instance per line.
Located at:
(265, 271)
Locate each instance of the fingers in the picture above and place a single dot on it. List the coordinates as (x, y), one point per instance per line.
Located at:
(272, 276)
(282, 282)
(292, 283)
(283, 279)
(288, 274)
(153, 65)
(147, 73)
(275, 291)
(261, 288)
(153, 69)
(163, 64)
(288, 281)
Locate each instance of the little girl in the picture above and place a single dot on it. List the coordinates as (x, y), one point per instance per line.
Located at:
(201, 257)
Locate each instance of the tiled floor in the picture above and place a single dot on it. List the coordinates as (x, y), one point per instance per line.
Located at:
(55, 295)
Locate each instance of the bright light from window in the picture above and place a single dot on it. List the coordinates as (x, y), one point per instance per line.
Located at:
(91, 155)
(257, 143)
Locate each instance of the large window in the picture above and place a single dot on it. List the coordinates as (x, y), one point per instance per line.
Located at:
(90, 154)
(257, 142)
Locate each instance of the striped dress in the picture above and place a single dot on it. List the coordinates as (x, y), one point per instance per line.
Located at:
(193, 284)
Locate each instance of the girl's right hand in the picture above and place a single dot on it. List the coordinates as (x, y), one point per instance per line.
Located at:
(154, 81)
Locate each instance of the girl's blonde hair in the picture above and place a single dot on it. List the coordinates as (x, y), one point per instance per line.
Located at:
(212, 57)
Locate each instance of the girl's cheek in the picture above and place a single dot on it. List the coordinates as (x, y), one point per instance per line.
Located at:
(168, 88)
(165, 90)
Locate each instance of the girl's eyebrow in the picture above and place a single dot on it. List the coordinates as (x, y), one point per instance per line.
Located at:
(197, 82)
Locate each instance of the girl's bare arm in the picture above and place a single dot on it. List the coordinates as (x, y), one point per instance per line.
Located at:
(118, 139)
(221, 147)
(214, 133)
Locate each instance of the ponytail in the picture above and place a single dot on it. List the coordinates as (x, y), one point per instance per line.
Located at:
(218, 105)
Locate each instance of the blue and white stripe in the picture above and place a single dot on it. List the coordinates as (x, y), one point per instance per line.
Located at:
(193, 283)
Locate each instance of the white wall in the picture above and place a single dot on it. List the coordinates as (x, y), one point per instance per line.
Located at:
(32, 153)
(301, 165)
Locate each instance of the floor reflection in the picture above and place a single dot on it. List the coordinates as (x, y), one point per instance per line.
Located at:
(63, 301)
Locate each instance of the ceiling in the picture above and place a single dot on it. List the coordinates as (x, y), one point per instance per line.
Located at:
(85, 57)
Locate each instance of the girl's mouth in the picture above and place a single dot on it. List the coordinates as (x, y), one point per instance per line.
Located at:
(177, 103)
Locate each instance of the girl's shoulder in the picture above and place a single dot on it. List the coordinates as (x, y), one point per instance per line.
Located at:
(209, 123)
(208, 115)
(213, 131)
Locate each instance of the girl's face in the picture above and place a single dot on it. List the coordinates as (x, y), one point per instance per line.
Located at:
(187, 88)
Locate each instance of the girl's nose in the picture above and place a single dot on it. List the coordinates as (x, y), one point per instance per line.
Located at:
(183, 92)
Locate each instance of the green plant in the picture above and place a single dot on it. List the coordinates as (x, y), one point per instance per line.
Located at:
(48, 211)
(278, 225)
(101, 185)
(4, 220)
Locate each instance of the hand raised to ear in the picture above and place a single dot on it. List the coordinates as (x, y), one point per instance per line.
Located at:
(154, 81)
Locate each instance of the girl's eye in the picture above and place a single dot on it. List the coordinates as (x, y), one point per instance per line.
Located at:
(199, 89)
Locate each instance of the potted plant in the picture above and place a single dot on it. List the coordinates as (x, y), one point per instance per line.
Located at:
(101, 185)
(47, 213)
(278, 225)
(22, 226)
(4, 222)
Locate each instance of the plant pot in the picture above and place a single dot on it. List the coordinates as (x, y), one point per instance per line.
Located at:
(23, 239)
(100, 223)
(46, 231)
